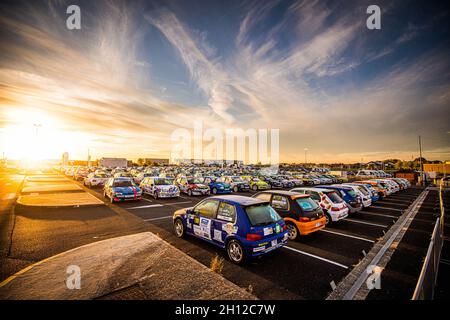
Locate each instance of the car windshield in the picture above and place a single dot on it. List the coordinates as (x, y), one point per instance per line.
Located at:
(307, 204)
(261, 215)
(123, 183)
(364, 191)
(162, 182)
(334, 197)
(194, 181)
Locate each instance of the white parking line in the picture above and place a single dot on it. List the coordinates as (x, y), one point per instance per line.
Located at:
(378, 214)
(169, 203)
(317, 257)
(381, 207)
(368, 223)
(143, 207)
(347, 235)
(160, 218)
(145, 199)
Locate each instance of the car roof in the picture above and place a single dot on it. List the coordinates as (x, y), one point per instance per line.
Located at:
(242, 200)
(314, 189)
(285, 193)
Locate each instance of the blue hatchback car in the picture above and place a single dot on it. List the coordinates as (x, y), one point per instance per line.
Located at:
(215, 186)
(354, 202)
(121, 189)
(245, 227)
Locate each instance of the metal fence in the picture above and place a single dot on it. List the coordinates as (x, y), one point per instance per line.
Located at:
(428, 276)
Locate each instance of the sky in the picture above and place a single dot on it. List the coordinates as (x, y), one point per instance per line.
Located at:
(139, 70)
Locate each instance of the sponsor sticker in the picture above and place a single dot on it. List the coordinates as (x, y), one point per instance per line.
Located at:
(268, 231)
(218, 235)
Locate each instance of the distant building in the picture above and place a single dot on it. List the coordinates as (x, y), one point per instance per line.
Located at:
(152, 161)
(441, 168)
(65, 159)
(113, 162)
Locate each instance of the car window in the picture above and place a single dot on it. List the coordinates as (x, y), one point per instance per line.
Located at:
(280, 202)
(207, 208)
(307, 204)
(315, 196)
(226, 212)
(260, 215)
(263, 196)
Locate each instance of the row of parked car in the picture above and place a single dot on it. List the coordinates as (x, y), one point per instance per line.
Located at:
(248, 227)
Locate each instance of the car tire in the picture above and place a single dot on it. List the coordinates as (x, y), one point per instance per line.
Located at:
(178, 228)
(293, 232)
(235, 252)
(189, 193)
(255, 187)
(155, 195)
(214, 191)
(235, 189)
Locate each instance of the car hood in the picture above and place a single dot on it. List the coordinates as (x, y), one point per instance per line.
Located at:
(126, 190)
(166, 188)
(221, 184)
(198, 185)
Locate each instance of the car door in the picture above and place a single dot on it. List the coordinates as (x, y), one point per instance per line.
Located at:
(224, 223)
(202, 219)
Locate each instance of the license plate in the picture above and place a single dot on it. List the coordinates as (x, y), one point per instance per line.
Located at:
(129, 196)
(274, 243)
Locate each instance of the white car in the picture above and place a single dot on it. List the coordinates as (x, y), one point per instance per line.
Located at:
(95, 179)
(332, 204)
(365, 196)
(159, 187)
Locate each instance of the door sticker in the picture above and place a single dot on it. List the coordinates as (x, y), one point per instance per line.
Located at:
(218, 235)
(268, 230)
(203, 229)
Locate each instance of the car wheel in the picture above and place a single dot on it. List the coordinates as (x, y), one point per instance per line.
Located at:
(255, 187)
(235, 252)
(292, 231)
(214, 190)
(190, 193)
(235, 189)
(155, 195)
(178, 228)
(328, 220)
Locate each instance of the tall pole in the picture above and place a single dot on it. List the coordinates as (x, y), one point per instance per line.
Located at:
(306, 150)
(420, 159)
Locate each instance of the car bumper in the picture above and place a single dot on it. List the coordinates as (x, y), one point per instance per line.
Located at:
(169, 195)
(257, 248)
(338, 215)
(126, 198)
(223, 191)
(306, 228)
(200, 192)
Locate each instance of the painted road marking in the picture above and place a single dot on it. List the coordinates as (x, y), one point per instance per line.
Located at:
(160, 218)
(387, 208)
(368, 223)
(147, 199)
(143, 207)
(347, 235)
(317, 257)
(169, 203)
(378, 214)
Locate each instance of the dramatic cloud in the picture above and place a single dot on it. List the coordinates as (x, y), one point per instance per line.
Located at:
(137, 71)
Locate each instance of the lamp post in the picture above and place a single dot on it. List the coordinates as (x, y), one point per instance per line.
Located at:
(306, 150)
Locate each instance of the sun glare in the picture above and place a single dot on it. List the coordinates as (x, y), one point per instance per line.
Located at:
(34, 136)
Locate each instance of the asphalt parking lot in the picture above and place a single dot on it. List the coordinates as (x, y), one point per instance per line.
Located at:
(302, 270)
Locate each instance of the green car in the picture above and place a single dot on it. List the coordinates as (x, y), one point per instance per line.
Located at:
(257, 184)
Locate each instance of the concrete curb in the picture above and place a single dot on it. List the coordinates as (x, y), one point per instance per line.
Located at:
(141, 263)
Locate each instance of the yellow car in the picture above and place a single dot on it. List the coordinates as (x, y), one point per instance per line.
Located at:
(257, 184)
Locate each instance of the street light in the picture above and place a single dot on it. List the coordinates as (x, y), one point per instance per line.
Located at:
(306, 150)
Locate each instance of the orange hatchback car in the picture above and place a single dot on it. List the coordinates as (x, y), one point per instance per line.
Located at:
(301, 213)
